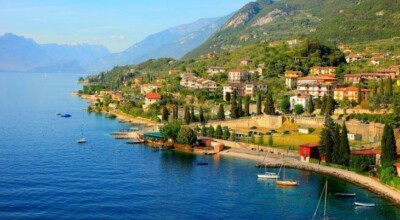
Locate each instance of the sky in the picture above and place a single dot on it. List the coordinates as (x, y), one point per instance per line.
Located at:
(116, 24)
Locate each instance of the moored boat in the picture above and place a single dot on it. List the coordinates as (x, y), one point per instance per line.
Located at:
(286, 183)
(345, 194)
(267, 175)
(65, 115)
(364, 204)
(81, 141)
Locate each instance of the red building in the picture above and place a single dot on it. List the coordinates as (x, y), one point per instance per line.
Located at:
(309, 150)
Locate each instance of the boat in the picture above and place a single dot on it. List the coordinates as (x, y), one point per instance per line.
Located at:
(285, 182)
(65, 115)
(81, 141)
(324, 192)
(364, 204)
(345, 194)
(266, 174)
(200, 163)
(58, 114)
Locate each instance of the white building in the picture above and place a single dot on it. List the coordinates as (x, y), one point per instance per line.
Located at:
(243, 89)
(238, 75)
(151, 98)
(316, 86)
(299, 100)
(215, 70)
(193, 82)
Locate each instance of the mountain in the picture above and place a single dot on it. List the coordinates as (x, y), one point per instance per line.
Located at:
(25, 55)
(330, 21)
(173, 42)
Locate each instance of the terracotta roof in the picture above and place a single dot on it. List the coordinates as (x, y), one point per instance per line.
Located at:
(317, 78)
(310, 145)
(351, 88)
(366, 152)
(153, 96)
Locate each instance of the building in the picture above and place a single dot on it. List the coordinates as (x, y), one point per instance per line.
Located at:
(215, 70)
(391, 71)
(238, 75)
(291, 78)
(192, 82)
(293, 42)
(375, 61)
(322, 70)
(299, 100)
(245, 62)
(309, 151)
(354, 137)
(350, 92)
(243, 89)
(364, 77)
(344, 48)
(353, 58)
(151, 98)
(211, 55)
(174, 70)
(397, 166)
(149, 88)
(316, 86)
(303, 130)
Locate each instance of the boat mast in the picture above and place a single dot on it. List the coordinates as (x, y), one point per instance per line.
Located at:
(326, 196)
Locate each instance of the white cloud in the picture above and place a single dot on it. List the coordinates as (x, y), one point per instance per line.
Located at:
(118, 37)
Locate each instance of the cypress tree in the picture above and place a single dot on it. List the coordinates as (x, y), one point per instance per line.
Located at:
(310, 106)
(375, 89)
(326, 139)
(226, 133)
(228, 97)
(247, 106)
(201, 115)
(259, 100)
(381, 88)
(330, 106)
(323, 104)
(388, 87)
(261, 140)
(344, 147)
(221, 113)
(192, 117)
(270, 141)
(336, 144)
(187, 115)
(234, 110)
(165, 114)
(388, 147)
(218, 131)
(210, 131)
(234, 96)
(240, 107)
(175, 112)
(269, 105)
(204, 131)
(359, 93)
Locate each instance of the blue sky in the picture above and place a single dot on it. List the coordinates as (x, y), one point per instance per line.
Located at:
(116, 24)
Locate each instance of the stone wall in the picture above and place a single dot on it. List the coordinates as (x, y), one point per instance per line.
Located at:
(265, 121)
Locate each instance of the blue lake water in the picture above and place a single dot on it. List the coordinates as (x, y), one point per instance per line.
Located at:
(46, 175)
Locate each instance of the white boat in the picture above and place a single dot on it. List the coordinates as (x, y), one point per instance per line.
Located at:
(345, 194)
(267, 175)
(81, 141)
(285, 182)
(364, 204)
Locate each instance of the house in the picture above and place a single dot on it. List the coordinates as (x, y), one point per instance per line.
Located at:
(261, 69)
(243, 89)
(344, 48)
(322, 70)
(371, 153)
(300, 59)
(275, 43)
(149, 88)
(211, 55)
(354, 137)
(364, 77)
(316, 86)
(293, 42)
(215, 70)
(245, 62)
(172, 71)
(391, 71)
(291, 78)
(138, 80)
(353, 58)
(151, 98)
(192, 82)
(350, 92)
(309, 151)
(116, 96)
(238, 75)
(299, 100)
(375, 61)
(303, 130)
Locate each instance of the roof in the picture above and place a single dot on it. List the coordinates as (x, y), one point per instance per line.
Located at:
(153, 96)
(153, 134)
(366, 152)
(310, 145)
(351, 88)
(317, 78)
(235, 70)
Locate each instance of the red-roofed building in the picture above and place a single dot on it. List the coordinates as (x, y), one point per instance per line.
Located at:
(316, 86)
(352, 58)
(350, 92)
(151, 98)
(309, 150)
(364, 77)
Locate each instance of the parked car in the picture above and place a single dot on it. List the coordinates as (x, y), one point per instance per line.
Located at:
(253, 127)
(272, 131)
(286, 132)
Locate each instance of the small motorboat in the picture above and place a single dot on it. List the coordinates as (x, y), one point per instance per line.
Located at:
(58, 114)
(200, 163)
(345, 194)
(65, 115)
(268, 175)
(286, 183)
(81, 141)
(364, 204)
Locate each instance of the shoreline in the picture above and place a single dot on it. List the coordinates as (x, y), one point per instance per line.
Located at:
(349, 176)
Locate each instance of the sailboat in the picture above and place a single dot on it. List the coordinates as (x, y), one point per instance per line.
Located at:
(267, 175)
(285, 182)
(324, 191)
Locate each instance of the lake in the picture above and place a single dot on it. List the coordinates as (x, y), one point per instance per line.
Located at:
(45, 174)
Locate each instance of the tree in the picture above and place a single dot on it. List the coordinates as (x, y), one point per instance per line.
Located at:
(221, 113)
(261, 140)
(234, 110)
(330, 105)
(381, 88)
(210, 131)
(388, 147)
(389, 87)
(336, 144)
(192, 116)
(226, 133)
(326, 139)
(269, 105)
(374, 91)
(187, 115)
(240, 107)
(204, 131)
(218, 132)
(344, 147)
(233, 136)
(259, 100)
(285, 105)
(310, 106)
(165, 114)
(298, 109)
(175, 112)
(270, 141)
(247, 106)
(201, 115)
(228, 96)
(359, 93)
(252, 139)
(170, 130)
(186, 136)
(234, 96)
(323, 105)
